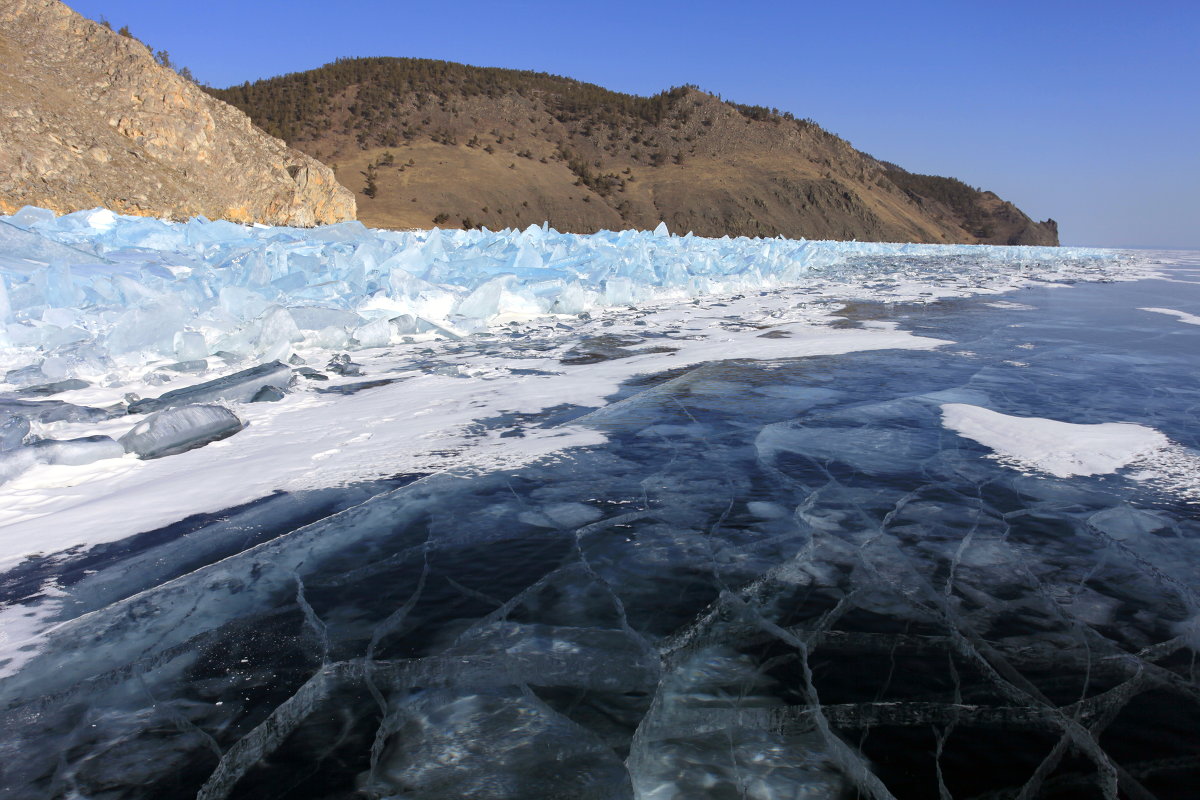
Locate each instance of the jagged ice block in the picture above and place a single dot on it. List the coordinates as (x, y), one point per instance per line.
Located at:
(239, 387)
(177, 430)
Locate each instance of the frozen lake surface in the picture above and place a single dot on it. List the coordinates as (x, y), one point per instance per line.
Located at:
(905, 524)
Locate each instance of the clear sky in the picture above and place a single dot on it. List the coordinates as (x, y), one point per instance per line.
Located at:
(1087, 112)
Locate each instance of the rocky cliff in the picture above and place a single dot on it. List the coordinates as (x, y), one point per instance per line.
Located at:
(436, 143)
(89, 118)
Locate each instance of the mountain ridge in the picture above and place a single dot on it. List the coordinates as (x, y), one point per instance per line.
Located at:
(426, 142)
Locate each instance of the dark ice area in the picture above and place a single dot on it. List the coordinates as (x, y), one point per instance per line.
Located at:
(779, 579)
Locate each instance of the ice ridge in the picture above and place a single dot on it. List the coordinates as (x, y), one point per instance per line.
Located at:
(86, 292)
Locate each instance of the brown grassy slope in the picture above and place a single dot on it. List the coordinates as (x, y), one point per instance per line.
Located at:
(505, 148)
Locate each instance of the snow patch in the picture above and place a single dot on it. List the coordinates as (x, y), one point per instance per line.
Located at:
(1063, 449)
(1190, 319)
(1009, 305)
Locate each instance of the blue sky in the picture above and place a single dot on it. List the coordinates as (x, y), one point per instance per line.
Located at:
(1087, 112)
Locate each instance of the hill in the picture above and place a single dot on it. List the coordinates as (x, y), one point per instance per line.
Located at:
(437, 143)
(90, 118)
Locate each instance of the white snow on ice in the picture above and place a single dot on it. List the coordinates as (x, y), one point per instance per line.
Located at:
(1190, 319)
(1063, 449)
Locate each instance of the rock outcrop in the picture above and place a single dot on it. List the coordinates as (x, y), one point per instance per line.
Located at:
(89, 118)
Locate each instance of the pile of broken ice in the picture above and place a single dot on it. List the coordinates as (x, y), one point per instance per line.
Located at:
(97, 298)
(88, 290)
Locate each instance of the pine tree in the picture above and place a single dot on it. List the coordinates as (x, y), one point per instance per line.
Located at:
(371, 189)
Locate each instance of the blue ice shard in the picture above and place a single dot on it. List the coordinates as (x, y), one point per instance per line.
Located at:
(177, 430)
(238, 387)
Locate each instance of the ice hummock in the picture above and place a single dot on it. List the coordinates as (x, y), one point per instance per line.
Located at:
(240, 386)
(177, 430)
(13, 430)
(49, 411)
(87, 293)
